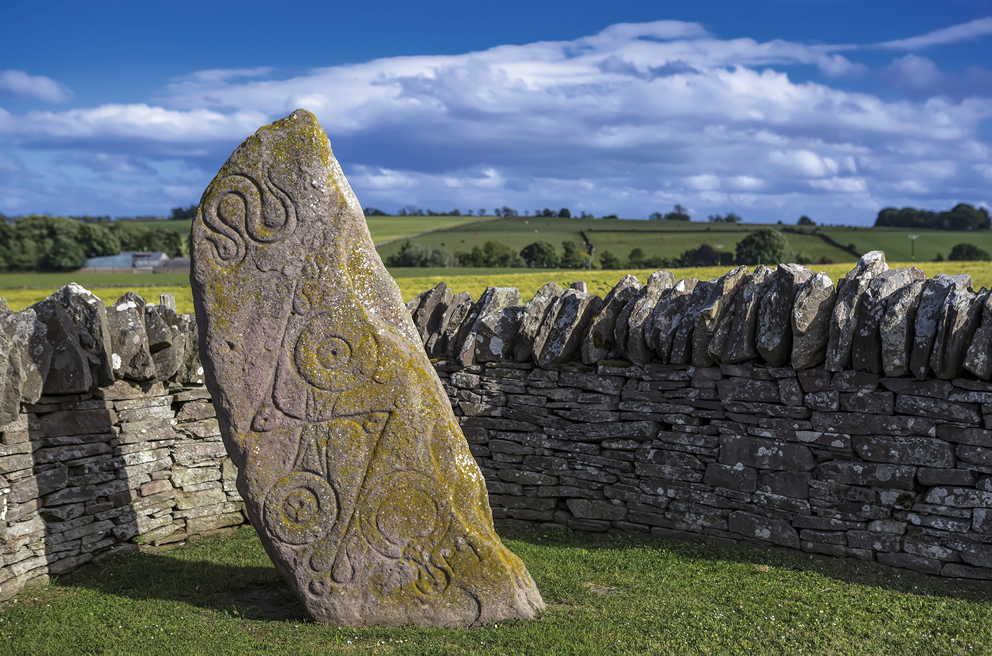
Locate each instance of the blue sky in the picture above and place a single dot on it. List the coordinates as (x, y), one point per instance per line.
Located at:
(770, 109)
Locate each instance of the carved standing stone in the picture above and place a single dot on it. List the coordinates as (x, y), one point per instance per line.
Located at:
(353, 468)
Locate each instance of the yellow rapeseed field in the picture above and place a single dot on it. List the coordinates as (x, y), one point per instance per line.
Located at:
(599, 282)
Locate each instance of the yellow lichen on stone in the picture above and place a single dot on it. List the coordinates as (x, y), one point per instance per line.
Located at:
(352, 465)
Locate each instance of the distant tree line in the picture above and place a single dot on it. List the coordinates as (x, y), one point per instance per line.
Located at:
(413, 210)
(492, 254)
(50, 243)
(961, 217)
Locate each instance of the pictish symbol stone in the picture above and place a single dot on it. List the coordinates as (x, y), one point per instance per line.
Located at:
(352, 465)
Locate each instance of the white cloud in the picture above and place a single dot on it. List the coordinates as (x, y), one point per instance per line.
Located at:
(975, 29)
(35, 87)
(630, 120)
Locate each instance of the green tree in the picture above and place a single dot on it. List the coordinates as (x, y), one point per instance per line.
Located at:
(805, 220)
(572, 257)
(66, 254)
(98, 241)
(6, 239)
(969, 253)
(564, 213)
(609, 261)
(636, 258)
(540, 254)
(420, 255)
(492, 254)
(766, 246)
(187, 214)
(703, 256)
(678, 213)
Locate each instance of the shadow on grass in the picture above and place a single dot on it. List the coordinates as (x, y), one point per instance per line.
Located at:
(845, 570)
(251, 592)
(199, 576)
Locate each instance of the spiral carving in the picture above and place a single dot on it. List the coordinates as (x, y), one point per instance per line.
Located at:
(277, 220)
(231, 200)
(238, 206)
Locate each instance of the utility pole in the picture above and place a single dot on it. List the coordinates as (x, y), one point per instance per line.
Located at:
(912, 247)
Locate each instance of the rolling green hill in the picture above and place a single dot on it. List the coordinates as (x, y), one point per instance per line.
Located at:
(667, 239)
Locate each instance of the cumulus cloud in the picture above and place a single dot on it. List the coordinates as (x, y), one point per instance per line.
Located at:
(34, 87)
(630, 120)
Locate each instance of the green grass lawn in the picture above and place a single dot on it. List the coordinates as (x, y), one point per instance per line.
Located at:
(604, 595)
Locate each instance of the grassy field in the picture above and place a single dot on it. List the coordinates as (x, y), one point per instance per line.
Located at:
(897, 245)
(667, 239)
(414, 281)
(604, 595)
(382, 228)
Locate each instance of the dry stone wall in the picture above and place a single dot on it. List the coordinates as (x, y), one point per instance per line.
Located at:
(108, 439)
(769, 406)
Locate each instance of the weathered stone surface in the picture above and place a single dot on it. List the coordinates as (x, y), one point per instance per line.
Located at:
(353, 468)
(896, 328)
(977, 358)
(866, 347)
(10, 384)
(68, 358)
(131, 356)
(773, 339)
(169, 351)
(599, 343)
(928, 312)
(719, 304)
(701, 297)
(536, 311)
(30, 353)
(667, 315)
(776, 531)
(811, 315)
(89, 314)
(740, 341)
(458, 315)
(497, 325)
(491, 305)
(959, 319)
(574, 311)
(846, 309)
(429, 315)
(639, 321)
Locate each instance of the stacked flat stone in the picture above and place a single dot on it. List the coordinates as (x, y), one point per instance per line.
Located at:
(108, 438)
(874, 319)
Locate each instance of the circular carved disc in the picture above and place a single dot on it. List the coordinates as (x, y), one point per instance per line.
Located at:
(301, 508)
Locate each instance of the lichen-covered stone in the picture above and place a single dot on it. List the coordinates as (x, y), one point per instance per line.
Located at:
(866, 346)
(667, 315)
(497, 325)
(353, 468)
(977, 358)
(428, 315)
(72, 363)
(842, 323)
(958, 320)
(738, 337)
(720, 302)
(927, 317)
(89, 314)
(30, 352)
(638, 322)
(811, 314)
(535, 323)
(490, 307)
(773, 339)
(896, 328)
(575, 311)
(169, 353)
(452, 322)
(701, 297)
(131, 356)
(599, 343)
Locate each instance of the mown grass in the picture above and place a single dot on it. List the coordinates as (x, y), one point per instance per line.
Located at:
(528, 281)
(604, 595)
